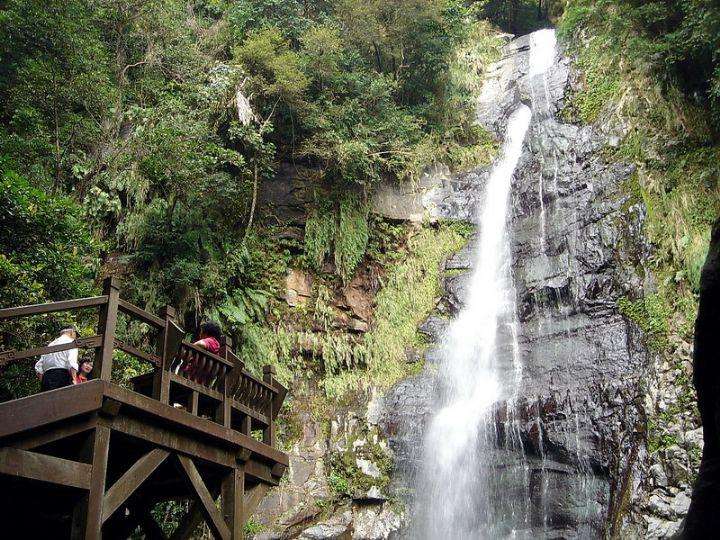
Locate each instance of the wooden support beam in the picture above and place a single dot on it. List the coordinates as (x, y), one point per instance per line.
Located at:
(106, 327)
(16, 462)
(50, 434)
(194, 402)
(131, 480)
(172, 439)
(233, 493)
(87, 517)
(213, 518)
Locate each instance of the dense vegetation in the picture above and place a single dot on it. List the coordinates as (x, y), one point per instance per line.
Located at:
(135, 136)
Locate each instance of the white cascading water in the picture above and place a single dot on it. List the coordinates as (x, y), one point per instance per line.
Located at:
(461, 492)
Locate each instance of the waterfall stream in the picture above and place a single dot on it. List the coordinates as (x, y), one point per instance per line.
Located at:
(462, 486)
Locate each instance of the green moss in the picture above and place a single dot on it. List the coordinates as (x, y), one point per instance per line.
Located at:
(253, 527)
(600, 86)
(651, 314)
(346, 478)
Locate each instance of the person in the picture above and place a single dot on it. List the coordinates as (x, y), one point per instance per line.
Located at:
(84, 368)
(209, 337)
(58, 369)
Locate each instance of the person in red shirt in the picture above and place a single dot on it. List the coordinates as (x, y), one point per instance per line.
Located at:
(209, 337)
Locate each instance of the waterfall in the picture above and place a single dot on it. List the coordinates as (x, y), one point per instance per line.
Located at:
(462, 489)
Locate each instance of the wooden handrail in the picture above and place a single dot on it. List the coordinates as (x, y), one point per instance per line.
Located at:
(152, 359)
(52, 307)
(239, 396)
(6, 357)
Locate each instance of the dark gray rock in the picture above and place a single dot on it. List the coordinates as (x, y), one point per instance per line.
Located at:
(577, 249)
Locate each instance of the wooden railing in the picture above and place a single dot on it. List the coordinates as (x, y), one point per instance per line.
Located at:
(182, 375)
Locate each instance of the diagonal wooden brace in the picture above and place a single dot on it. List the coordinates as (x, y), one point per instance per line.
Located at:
(212, 516)
(131, 480)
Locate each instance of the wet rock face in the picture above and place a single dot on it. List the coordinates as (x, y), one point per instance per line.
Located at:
(576, 245)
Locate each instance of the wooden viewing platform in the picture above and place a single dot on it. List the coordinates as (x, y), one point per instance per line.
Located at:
(92, 460)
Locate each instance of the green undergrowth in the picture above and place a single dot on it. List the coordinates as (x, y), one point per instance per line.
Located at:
(468, 144)
(406, 298)
(305, 341)
(340, 232)
(347, 479)
(651, 314)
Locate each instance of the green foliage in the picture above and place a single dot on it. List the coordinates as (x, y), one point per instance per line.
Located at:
(601, 82)
(401, 305)
(351, 238)
(169, 514)
(651, 314)
(346, 478)
(46, 254)
(518, 16)
(319, 236)
(132, 110)
(676, 40)
(253, 527)
(339, 484)
(341, 232)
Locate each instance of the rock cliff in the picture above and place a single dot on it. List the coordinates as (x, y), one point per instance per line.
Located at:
(590, 380)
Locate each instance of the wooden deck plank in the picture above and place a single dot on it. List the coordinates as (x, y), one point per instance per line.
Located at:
(16, 462)
(208, 428)
(175, 429)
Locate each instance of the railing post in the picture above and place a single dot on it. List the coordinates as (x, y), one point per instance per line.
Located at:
(106, 327)
(269, 432)
(161, 380)
(224, 411)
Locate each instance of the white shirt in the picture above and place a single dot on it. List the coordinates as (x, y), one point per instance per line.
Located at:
(58, 360)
